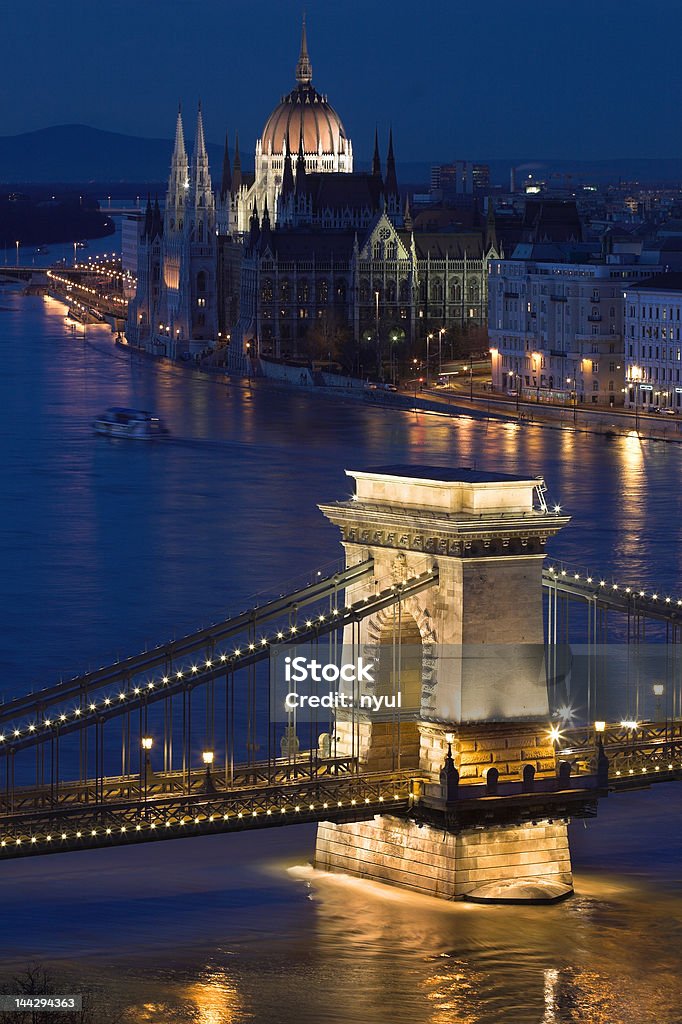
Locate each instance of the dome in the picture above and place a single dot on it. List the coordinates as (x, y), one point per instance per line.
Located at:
(304, 112)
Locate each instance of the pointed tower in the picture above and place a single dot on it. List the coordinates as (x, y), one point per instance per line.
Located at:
(304, 69)
(237, 169)
(288, 173)
(226, 180)
(147, 229)
(391, 177)
(407, 216)
(203, 200)
(265, 229)
(178, 182)
(300, 164)
(254, 226)
(376, 159)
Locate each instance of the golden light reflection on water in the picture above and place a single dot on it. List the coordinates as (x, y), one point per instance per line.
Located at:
(212, 999)
(216, 1000)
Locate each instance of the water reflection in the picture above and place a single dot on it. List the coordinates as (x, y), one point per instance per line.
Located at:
(110, 546)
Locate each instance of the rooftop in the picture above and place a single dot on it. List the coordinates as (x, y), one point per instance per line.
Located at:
(443, 474)
(671, 282)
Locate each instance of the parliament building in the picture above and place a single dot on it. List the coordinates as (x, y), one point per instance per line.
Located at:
(286, 260)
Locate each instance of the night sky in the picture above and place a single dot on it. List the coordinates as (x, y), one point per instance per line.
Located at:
(590, 79)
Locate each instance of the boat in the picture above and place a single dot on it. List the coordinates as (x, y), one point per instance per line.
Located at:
(134, 423)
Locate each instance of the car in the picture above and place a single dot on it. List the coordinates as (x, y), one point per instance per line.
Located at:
(670, 412)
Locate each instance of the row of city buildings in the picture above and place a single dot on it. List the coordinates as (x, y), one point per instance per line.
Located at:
(277, 264)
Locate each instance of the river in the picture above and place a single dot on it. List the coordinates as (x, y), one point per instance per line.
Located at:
(107, 546)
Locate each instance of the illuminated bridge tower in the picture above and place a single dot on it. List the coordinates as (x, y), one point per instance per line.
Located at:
(477, 682)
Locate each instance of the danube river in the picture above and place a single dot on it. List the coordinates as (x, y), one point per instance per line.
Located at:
(108, 546)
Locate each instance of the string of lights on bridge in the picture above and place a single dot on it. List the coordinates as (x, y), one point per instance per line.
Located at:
(603, 585)
(244, 818)
(194, 672)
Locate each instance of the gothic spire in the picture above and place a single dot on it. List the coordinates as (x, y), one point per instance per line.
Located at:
(202, 174)
(304, 69)
(391, 177)
(254, 226)
(179, 149)
(288, 173)
(376, 159)
(237, 172)
(147, 230)
(300, 162)
(265, 232)
(407, 216)
(226, 183)
(200, 144)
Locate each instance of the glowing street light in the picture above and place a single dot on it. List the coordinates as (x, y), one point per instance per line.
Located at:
(208, 786)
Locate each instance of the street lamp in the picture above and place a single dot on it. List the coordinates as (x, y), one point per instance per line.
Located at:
(147, 742)
(536, 368)
(207, 758)
(17, 245)
(515, 376)
(659, 689)
(574, 398)
(634, 377)
(441, 332)
(429, 339)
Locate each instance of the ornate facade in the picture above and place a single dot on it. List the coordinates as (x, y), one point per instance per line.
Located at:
(175, 310)
(304, 243)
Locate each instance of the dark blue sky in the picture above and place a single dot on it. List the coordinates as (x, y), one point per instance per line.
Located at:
(588, 79)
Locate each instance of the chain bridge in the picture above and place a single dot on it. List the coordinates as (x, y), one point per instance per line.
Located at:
(518, 718)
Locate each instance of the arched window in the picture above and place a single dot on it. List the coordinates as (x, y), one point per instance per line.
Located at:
(322, 292)
(390, 291)
(266, 290)
(473, 291)
(437, 291)
(455, 291)
(202, 281)
(404, 290)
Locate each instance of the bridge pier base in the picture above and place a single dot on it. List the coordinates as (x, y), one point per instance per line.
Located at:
(519, 863)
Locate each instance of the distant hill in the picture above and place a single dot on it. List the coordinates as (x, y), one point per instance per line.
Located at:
(78, 153)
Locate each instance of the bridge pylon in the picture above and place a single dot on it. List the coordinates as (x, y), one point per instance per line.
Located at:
(470, 669)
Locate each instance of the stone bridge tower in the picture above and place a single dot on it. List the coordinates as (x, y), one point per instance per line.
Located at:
(477, 684)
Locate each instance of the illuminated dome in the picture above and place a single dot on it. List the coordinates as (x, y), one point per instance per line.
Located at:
(304, 114)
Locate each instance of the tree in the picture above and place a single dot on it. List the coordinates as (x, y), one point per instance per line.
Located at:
(36, 980)
(329, 336)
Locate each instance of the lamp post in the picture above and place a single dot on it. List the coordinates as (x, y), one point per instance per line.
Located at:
(207, 758)
(634, 378)
(659, 690)
(429, 339)
(147, 743)
(574, 397)
(515, 377)
(17, 245)
(471, 377)
(441, 332)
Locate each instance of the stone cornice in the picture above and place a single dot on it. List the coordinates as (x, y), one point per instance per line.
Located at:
(459, 535)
